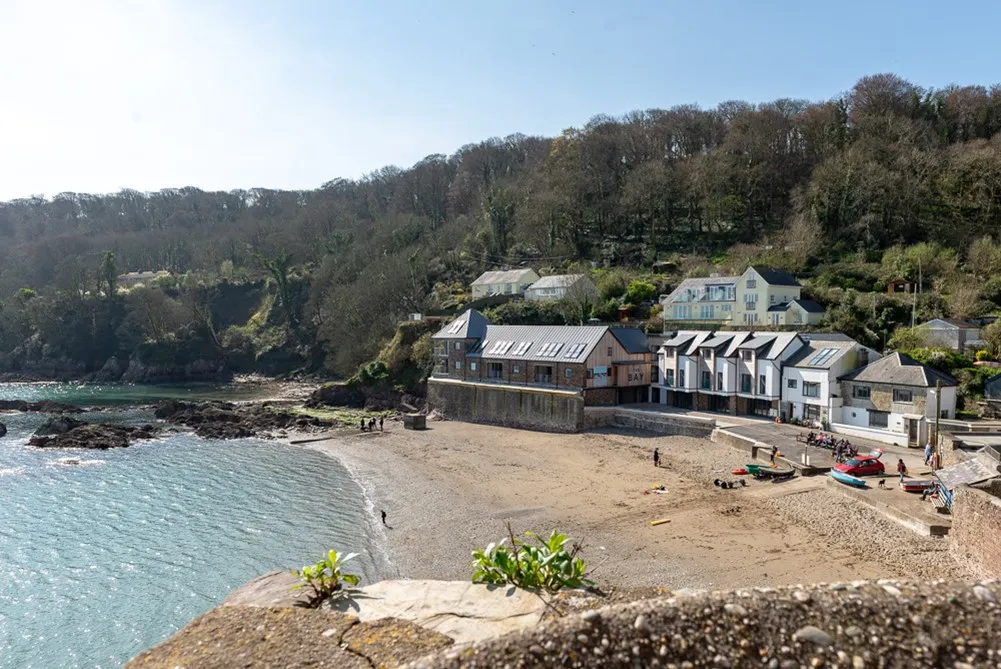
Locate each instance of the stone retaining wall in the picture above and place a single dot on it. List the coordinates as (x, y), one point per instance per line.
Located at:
(684, 426)
(510, 406)
(976, 530)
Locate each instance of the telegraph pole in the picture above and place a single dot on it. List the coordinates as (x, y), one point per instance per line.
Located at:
(938, 417)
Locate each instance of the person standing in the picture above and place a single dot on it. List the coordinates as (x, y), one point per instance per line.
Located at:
(381, 418)
(384, 518)
(656, 457)
(363, 424)
(775, 451)
(928, 454)
(901, 469)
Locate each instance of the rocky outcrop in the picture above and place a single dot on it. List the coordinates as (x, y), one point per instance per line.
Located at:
(3, 430)
(111, 372)
(224, 420)
(200, 370)
(336, 395)
(290, 637)
(379, 396)
(44, 406)
(66, 432)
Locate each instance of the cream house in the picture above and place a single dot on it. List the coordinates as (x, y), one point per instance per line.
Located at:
(797, 312)
(759, 289)
(504, 282)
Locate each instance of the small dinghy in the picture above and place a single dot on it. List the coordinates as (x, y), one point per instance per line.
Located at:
(916, 485)
(847, 479)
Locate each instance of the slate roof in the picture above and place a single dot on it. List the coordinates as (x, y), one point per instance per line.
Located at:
(773, 342)
(975, 470)
(817, 342)
(470, 324)
(632, 339)
(502, 276)
(557, 281)
(776, 277)
(729, 341)
(538, 342)
(687, 341)
(962, 325)
(810, 306)
(900, 370)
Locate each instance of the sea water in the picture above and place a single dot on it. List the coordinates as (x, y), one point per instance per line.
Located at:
(106, 557)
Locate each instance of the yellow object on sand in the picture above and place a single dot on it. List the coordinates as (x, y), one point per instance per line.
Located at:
(660, 522)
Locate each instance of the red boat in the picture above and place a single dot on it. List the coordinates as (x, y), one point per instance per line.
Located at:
(916, 485)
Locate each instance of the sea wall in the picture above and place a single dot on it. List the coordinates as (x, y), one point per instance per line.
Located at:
(976, 530)
(647, 421)
(509, 406)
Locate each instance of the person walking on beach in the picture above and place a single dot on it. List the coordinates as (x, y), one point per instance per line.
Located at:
(362, 424)
(927, 453)
(901, 469)
(381, 418)
(384, 518)
(656, 457)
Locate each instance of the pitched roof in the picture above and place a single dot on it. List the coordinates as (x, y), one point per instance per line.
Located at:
(503, 276)
(557, 281)
(810, 306)
(632, 339)
(822, 350)
(901, 370)
(776, 277)
(470, 324)
(680, 338)
(963, 325)
(773, 343)
(728, 341)
(553, 343)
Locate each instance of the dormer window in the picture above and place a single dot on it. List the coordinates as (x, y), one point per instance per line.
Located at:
(752, 283)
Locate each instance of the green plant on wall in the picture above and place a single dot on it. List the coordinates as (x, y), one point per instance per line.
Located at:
(326, 577)
(545, 565)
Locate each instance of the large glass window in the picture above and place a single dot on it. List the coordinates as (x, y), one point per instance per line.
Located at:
(669, 378)
(811, 412)
(811, 389)
(762, 385)
(745, 383)
(902, 395)
(879, 419)
(707, 380)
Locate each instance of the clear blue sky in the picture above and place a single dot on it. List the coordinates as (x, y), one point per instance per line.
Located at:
(222, 94)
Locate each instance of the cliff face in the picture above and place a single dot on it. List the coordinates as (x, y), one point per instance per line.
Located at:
(919, 624)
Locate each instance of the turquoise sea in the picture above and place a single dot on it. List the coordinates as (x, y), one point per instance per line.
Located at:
(105, 558)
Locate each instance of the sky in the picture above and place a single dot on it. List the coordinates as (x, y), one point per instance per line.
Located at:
(102, 95)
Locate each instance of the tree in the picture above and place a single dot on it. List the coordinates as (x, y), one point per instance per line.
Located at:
(278, 267)
(499, 209)
(109, 275)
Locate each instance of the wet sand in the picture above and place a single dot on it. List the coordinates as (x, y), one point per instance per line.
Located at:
(454, 486)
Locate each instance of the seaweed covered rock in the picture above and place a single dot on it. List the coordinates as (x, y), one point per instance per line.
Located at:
(225, 420)
(95, 436)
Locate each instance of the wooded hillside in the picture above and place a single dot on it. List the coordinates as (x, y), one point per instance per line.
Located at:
(814, 186)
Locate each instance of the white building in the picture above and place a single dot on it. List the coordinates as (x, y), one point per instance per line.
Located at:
(950, 333)
(894, 400)
(503, 282)
(557, 287)
(810, 390)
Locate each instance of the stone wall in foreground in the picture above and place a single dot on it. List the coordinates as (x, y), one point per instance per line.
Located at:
(509, 406)
(976, 530)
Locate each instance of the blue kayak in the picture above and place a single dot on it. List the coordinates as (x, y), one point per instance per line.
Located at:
(847, 479)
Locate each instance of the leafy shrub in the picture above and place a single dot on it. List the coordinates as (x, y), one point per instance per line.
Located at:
(326, 577)
(548, 566)
(606, 312)
(640, 292)
(611, 285)
(942, 359)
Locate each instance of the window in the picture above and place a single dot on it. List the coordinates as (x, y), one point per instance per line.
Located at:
(751, 301)
(861, 392)
(752, 283)
(823, 357)
(745, 383)
(811, 412)
(543, 374)
(609, 351)
(707, 381)
(902, 395)
(811, 389)
(747, 355)
(495, 370)
(472, 366)
(726, 308)
(682, 312)
(719, 380)
(681, 378)
(771, 299)
(762, 385)
(458, 364)
(515, 369)
(669, 378)
(669, 353)
(879, 419)
(707, 353)
(568, 373)
(706, 312)
(791, 383)
(458, 345)
(654, 374)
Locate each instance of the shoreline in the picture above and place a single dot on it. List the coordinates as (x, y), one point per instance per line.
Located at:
(454, 487)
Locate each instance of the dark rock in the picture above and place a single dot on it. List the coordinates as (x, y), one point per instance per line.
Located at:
(224, 420)
(196, 371)
(112, 371)
(3, 430)
(58, 425)
(95, 436)
(44, 406)
(337, 395)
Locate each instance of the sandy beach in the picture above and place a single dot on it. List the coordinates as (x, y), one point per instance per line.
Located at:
(454, 486)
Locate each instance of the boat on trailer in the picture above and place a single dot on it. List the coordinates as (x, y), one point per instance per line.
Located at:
(847, 479)
(916, 485)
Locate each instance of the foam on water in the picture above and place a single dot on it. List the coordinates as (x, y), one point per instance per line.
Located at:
(101, 559)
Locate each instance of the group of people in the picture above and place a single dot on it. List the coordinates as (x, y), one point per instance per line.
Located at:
(371, 424)
(843, 449)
